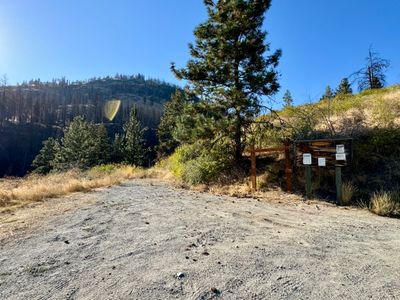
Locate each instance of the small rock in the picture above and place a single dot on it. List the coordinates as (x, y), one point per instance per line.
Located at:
(317, 207)
(206, 253)
(66, 241)
(180, 275)
(187, 257)
(147, 223)
(215, 291)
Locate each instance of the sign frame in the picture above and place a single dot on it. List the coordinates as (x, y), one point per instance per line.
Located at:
(324, 148)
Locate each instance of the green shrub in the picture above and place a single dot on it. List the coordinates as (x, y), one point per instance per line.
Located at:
(106, 168)
(179, 159)
(197, 163)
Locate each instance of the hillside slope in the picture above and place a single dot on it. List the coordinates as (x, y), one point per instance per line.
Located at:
(33, 111)
(371, 118)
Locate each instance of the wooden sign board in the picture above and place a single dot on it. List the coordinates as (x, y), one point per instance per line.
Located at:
(323, 153)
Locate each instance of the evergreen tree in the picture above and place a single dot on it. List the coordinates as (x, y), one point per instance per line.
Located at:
(168, 124)
(328, 94)
(133, 142)
(117, 154)
(344, 87)
(43, 161)
(101, 145)
(287, 99)
(229, 70)
(83, 145)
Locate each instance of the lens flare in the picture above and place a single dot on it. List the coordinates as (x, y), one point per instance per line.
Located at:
(111, 108)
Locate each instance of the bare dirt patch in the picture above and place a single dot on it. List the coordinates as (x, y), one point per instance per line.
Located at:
(151, 241)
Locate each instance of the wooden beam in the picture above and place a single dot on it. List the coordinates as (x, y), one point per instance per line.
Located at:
(307, 170)
(338, 177)
(288, 168)
(266, 150)
(253, 171)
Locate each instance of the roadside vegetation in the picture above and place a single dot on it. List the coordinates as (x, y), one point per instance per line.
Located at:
(207, 126)
(15, 193)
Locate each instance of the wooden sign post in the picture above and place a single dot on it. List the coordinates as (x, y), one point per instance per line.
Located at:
(338, 177)
(288, 168)
(288, 164)
(308, 182)
(253, 171)
(327, 153)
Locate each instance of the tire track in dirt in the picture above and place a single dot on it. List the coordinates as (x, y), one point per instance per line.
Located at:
(131, 241)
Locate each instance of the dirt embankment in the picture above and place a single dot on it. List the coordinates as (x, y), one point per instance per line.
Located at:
(147, 241)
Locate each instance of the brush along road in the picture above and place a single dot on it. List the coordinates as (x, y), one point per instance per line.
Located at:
(151, 241)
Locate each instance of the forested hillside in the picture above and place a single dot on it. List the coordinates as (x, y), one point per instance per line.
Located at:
(33, 111)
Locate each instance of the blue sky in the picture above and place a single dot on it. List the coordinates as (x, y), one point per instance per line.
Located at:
(322, 41)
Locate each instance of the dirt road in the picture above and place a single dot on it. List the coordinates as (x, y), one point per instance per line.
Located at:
(147, 241)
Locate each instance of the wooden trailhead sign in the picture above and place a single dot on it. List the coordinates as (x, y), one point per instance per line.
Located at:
(327, 153)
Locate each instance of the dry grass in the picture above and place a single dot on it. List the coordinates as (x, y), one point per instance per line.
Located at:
(383, 204)
(15, 193)
(348, 191)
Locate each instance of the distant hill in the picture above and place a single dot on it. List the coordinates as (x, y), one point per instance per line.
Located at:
(33, 111)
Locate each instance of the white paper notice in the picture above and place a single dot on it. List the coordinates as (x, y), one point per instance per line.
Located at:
(340, 156)
(307, 159)
(339, 149)
(322, 161)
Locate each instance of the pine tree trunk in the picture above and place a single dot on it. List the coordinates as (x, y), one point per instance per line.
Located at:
(238, 137)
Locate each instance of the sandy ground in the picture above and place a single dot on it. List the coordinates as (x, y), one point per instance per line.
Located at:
(132, 242)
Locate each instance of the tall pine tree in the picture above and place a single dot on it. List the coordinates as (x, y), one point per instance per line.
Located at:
(328, 94)
(133, 141)
(344, 87)
(287, 99)
(42, 163)
(84, 145)
(172, 111)
(229, 70)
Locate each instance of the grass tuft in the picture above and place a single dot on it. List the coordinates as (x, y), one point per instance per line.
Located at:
(384, 204)
(348, 191)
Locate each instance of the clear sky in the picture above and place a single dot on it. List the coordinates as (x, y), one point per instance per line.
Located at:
(322, 40)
